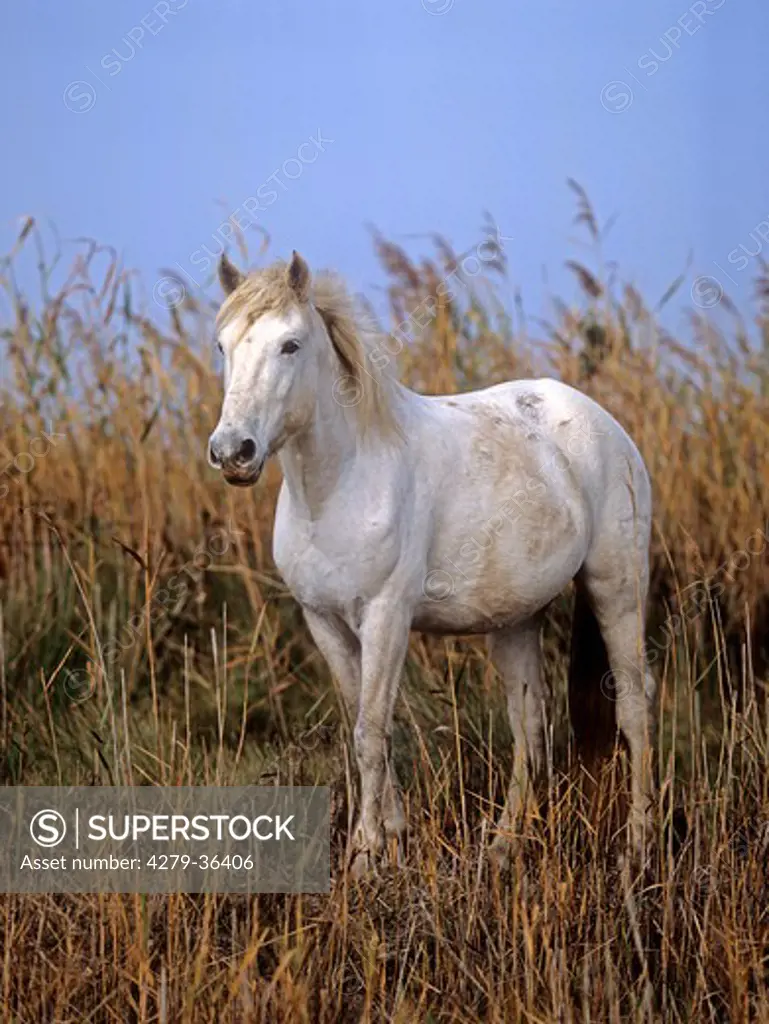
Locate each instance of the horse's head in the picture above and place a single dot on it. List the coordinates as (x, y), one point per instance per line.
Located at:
(268, 333)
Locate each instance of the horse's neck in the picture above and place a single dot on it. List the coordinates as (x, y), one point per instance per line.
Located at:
(314, 460)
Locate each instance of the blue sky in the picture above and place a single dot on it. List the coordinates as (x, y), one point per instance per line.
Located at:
(144, 124)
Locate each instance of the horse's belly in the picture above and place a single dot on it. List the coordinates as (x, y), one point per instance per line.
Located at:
(456, 603)
(455, 614)
(501, 573)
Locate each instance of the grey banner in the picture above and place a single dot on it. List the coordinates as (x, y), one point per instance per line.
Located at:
(151, 839)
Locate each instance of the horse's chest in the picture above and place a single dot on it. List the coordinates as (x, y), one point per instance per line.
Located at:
(330, 567)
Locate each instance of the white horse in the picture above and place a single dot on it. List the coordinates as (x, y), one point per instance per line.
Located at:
(449, 514)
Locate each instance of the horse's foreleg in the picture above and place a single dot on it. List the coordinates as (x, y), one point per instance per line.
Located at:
(342, 651)
(516, 655)
(384, 641)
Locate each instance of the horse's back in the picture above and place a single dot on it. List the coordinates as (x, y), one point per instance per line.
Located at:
(603, 462)
(561, 429)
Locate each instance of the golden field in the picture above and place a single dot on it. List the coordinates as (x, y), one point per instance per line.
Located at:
(146, 638)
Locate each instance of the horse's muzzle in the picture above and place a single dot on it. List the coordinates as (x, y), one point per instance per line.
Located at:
(236, 456)
(238, 478)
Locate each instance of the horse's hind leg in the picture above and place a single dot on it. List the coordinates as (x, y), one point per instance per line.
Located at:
(517, 657)
(618, 599)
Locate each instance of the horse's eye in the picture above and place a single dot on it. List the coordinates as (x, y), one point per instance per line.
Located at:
(219, 346)
(288, 347)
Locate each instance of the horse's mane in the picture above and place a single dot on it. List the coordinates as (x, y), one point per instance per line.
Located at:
(366, 387)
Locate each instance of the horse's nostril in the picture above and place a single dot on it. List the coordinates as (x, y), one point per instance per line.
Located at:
(246, 452)
(213, 455)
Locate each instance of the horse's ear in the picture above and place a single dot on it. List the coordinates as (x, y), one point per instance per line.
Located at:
(298, 277)
(229, 275)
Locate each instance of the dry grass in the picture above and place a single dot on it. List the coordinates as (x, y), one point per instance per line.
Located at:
(131, 578)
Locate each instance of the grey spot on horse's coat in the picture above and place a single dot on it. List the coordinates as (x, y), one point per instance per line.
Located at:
(529, 404)
(483, 452)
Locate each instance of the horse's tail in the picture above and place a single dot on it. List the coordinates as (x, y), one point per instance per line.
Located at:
(592, 712)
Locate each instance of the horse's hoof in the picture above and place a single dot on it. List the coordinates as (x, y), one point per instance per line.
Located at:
(499, 852)
(362, 866)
